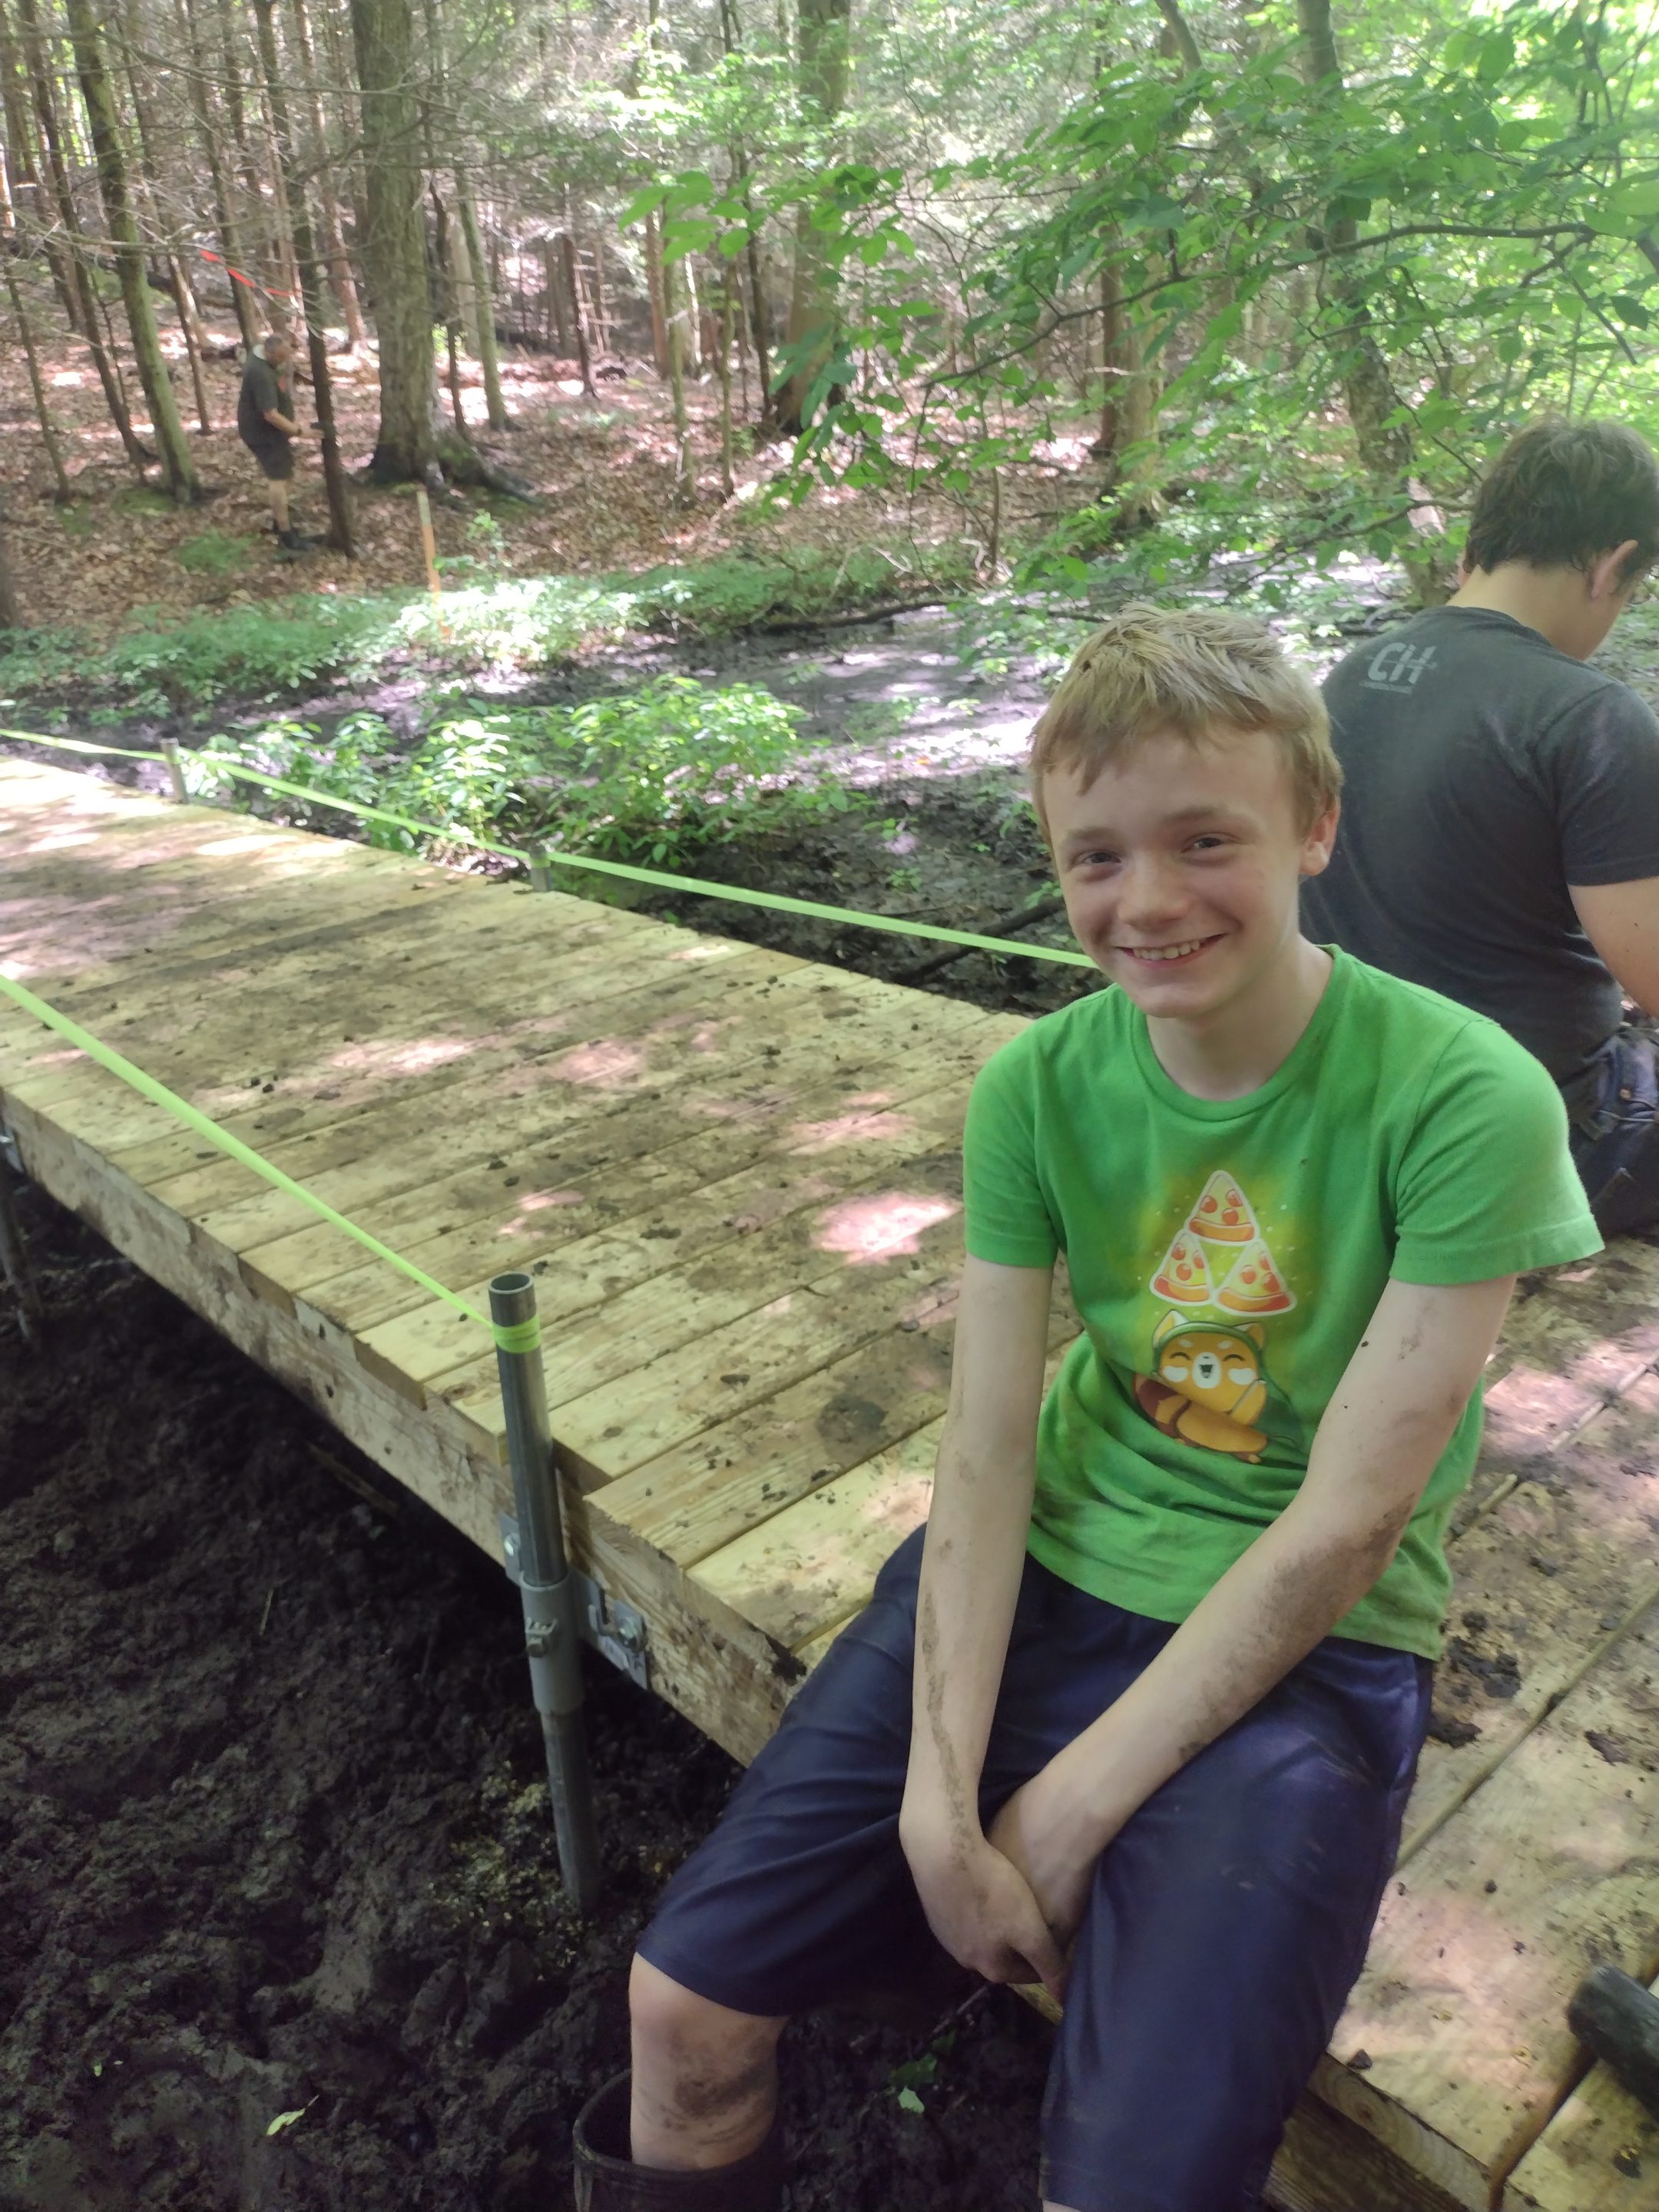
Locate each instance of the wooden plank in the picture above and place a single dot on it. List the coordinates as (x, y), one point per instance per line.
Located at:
(797, 1104)
(1549, 1868)
(1327, 2164)
(707, 1247)
(676, 1061)
(1600, 2153)
(710, 1489)
(1544, 1585)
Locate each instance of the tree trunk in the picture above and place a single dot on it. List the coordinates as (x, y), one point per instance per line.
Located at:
(230, 244)
(684, 489)
(23, 168)
(732, 39)
(176, 468)
(825, 27)
(340, 275)
(394, 244)
(723, 364)
(584, 353)
(340, 536)
(10, 616)
(103, 359)
(656, 285)
(559, 333)
(149, 168)
(49, 437)
(489, 358)
(1385, 444)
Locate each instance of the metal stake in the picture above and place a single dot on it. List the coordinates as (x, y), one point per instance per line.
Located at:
(13, 1259)
(541, 876)
(549, 1591)
(170, 749)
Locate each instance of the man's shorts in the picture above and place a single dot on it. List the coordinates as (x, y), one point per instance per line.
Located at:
(1614, 1112)
(274, 454)
(1228, 1921)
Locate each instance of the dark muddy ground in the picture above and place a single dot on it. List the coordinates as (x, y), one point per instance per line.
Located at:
(274, 1836)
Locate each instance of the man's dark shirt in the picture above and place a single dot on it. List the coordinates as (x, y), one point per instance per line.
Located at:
(261, 390)
(1486, 772)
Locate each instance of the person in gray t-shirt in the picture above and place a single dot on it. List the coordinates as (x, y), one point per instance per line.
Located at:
(1500, 821)
(266, 424)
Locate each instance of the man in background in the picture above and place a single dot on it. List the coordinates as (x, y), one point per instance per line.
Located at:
(265, 419)
(1500, 827)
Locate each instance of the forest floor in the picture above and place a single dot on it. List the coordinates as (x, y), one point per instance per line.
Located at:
(603, 471)
(273, 1836)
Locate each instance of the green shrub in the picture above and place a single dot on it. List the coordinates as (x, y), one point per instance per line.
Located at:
(655, 774)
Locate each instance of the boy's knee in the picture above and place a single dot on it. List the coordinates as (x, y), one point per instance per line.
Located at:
(676, 2031)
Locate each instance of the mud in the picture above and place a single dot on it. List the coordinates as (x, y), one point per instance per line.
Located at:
(274, 1838)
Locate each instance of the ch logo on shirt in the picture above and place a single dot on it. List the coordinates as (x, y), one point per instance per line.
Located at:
(1399, 667)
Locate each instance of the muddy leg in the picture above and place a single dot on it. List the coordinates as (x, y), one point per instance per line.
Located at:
(705, 2078)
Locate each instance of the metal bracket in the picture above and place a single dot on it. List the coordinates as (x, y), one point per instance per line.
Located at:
(615, 1630)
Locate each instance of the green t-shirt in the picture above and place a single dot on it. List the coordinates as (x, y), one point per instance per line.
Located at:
(1226, 1256)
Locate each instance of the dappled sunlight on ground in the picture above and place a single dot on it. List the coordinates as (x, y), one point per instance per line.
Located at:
(882, 1227)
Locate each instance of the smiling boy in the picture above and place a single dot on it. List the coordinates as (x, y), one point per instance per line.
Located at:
(1140, 1718)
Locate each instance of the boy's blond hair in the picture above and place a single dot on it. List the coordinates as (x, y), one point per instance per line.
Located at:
(1198, 671)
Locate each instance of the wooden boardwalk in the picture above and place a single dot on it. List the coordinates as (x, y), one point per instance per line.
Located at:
(736, 1176)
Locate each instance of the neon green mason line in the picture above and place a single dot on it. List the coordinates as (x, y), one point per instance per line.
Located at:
(701, 887)
(202, 1125)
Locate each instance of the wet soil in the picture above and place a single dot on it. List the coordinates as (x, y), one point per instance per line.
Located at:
(274, 1838)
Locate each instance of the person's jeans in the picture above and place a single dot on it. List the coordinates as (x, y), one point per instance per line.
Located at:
(1615, 1130)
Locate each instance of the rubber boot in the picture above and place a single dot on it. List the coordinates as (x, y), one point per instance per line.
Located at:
(607, 2179)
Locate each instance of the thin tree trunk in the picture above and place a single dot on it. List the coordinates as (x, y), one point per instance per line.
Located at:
(149, 168)
(583, 354)
(49, 437)
(730, 35)
(103, 359)
(11, 614)
(176, 467)
(656, 285)
(340, 275)
(489, 358)
(265, 257)
(229, 244)
(23, 167)
(684, 491)
(723, 366)
(601, 304)
(340, 537)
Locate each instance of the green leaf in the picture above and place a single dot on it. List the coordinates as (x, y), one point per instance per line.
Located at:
(287, 2119)
(908, 2102)
(644, 202)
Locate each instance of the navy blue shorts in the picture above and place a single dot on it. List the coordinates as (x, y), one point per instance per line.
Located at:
(1615, 1132)
(1229, 1919)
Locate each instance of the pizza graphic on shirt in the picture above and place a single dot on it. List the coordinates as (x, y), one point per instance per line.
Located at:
(1184, 1277)
(1255, 1285)
(1223, 1214)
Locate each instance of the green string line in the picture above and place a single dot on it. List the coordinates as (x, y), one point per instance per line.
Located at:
(78, 745)
(511, 1337)
(773, 902)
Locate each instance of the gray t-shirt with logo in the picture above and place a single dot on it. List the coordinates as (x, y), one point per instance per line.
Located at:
(1486, 772)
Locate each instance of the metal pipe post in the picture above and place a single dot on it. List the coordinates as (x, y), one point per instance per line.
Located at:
(176, 774)
(546, 1586)
(541, 876)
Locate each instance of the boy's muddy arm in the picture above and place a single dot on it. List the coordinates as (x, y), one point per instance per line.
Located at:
(1401, 1396)
(980, 1910)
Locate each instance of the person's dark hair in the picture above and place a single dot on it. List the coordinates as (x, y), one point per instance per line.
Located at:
(1562, 494)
